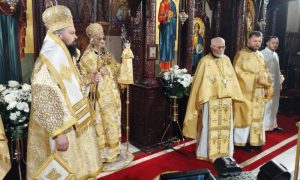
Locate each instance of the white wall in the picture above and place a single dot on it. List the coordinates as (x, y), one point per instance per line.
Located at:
(293, 19)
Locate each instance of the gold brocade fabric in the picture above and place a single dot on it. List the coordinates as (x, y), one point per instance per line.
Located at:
(214, 79)
(219, 127)
(126, 72)
(49, 112)
(67, 76)
(57, 17)
(258, 116)
(5, 164)
(107, 104)
(248, 65)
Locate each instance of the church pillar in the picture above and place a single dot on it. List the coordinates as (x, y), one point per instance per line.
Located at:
(187, 38)
(240, 26)
(148, 103)
(261, 23)
(216, 26)
(273, 21)
(149, 78)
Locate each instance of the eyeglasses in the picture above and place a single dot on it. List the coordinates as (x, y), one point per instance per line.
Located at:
(100, 38)
(219, 47)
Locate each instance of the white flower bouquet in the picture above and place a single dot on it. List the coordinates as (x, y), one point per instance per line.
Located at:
(15, 100)
(177, 82)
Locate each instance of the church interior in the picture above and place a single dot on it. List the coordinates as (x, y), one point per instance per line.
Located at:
(152, 117)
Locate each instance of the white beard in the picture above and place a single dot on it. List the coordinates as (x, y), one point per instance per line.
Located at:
(219, 55)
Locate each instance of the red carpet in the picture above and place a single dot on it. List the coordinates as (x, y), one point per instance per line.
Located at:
(272, 138)
(174, 161)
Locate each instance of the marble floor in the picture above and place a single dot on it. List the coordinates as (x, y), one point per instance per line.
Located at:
(287, 159)
(132, 149)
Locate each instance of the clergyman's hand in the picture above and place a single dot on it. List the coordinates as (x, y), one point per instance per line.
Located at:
(95, 77)
(266, 94)
(62, 142)
(260, 79)
(98, 76)
(103, 71)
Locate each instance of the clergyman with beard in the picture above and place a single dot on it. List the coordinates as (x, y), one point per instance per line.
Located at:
(208, 117)
(104, 95)
(254, 80)
(62, 119)
(71, 45)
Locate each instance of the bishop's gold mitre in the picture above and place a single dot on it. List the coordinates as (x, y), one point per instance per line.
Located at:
(94, 30)
(57, 17)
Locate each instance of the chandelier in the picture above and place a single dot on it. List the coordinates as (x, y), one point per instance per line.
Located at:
(12, 4)
(183, 15)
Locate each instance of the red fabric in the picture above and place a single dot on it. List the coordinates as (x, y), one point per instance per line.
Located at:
(163, 12)
(22, 28)
(5, 9)
(21, 14)
(165, 66)
(142, 155)
(169, 162)
(174, 161)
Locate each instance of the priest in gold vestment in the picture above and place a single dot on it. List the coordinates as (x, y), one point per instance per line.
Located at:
(255, 84)
(104, 95)
(62, 119)
(209, 112)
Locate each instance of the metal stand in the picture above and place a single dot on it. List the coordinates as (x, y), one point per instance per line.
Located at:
(127, 117)
(18, 156)
(173, 121)
(296, 171)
